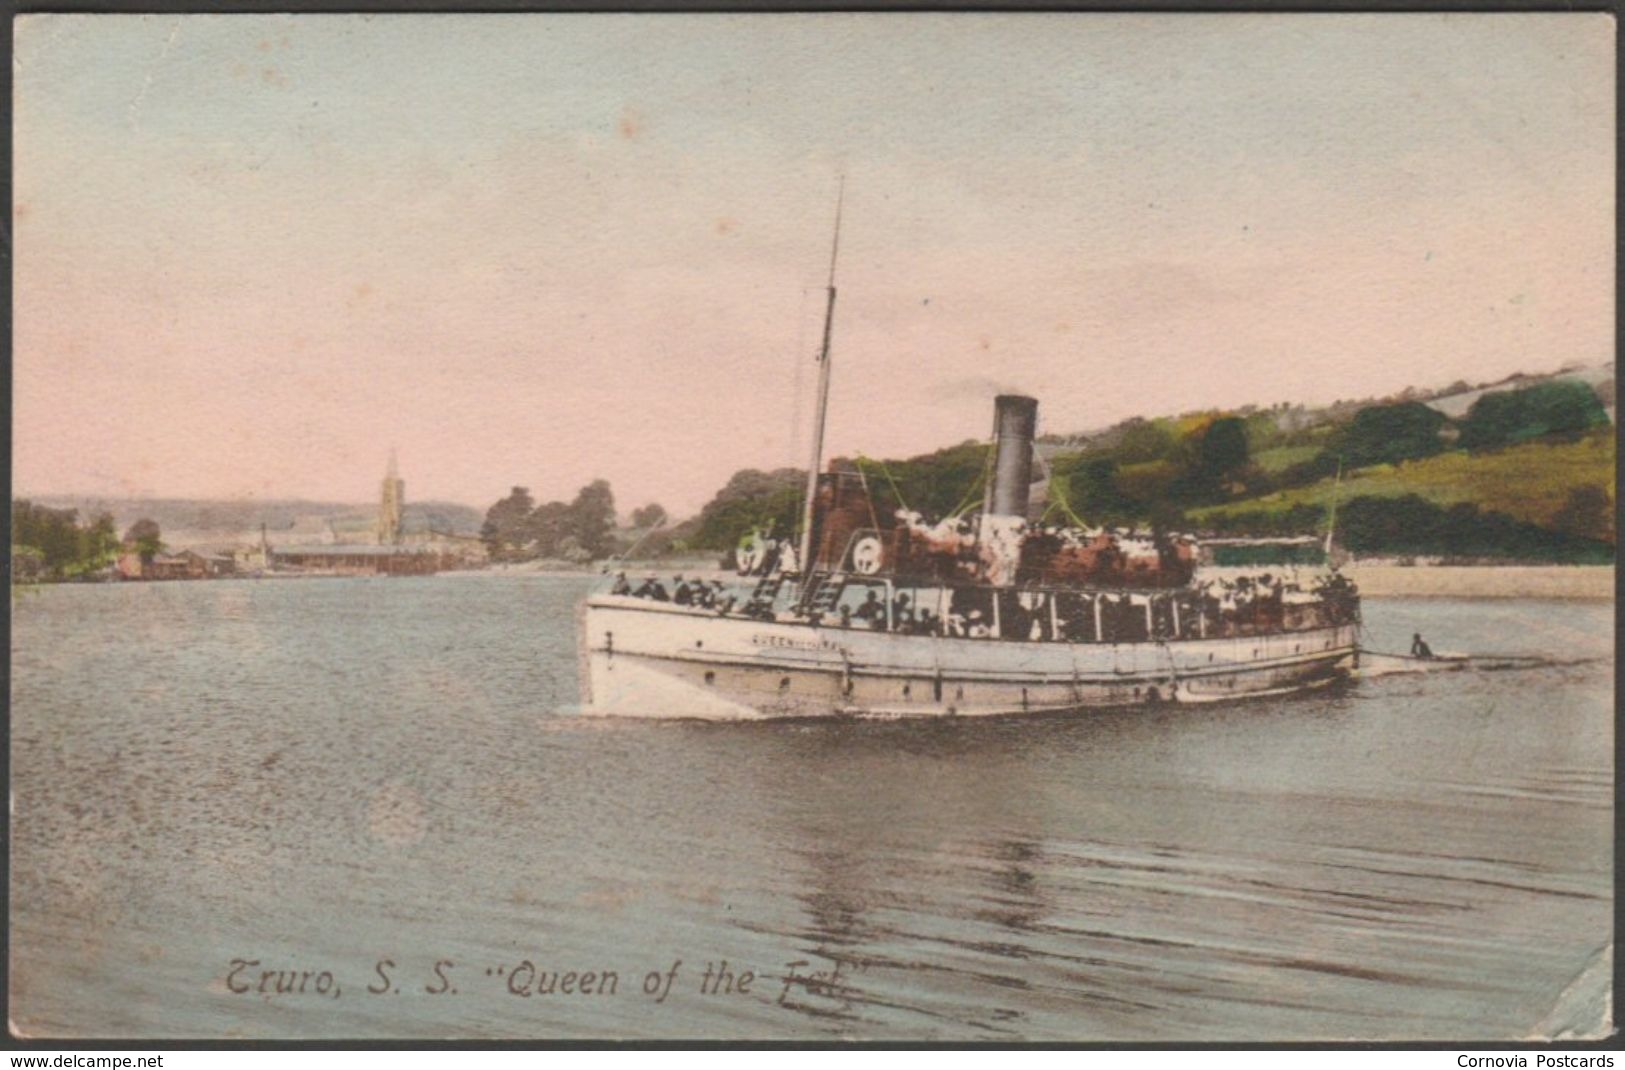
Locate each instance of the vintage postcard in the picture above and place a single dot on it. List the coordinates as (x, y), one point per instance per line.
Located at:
(869, 527)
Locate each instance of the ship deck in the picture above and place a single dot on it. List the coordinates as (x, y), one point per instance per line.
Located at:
(657, 659)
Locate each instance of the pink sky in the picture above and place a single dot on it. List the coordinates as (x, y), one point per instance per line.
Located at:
(254, 253)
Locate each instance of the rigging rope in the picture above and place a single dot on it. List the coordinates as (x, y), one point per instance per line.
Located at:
(1057, 494)
(1066, 506)
(885, 471)
(622, 557)
(869, 500)
(965, 503)
(896, 491)
(992, 455)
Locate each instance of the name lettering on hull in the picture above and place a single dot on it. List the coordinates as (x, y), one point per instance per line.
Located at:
(786, 642)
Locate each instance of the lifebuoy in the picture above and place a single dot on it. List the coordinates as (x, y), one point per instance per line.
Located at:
(868, 555)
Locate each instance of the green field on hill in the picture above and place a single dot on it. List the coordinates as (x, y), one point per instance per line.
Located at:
(1280, 458)
(1531, 481)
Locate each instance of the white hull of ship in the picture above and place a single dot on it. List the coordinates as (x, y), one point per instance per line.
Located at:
(650, 659)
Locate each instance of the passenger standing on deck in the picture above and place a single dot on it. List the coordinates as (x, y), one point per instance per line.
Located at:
(621, 586)
(683, 595)
(902, 615)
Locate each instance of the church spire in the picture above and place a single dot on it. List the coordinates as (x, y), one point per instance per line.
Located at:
(391, 504)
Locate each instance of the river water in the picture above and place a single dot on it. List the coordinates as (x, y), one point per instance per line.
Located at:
(374, 792)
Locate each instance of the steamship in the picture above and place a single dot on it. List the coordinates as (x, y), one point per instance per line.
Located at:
(986, 614)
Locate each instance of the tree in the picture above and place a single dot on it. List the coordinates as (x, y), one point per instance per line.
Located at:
(1388, 434)
(1209, 456)
(934, 484)
(591, 520)
(1588, 512)
(1223, 450)
(1492, 422)
(24, 523)
(506, 531)
(751, 498)
(1144, 440)
(1562, 407)
(1094, 494)
(144, 538)
(54, 538)
(99, 542)
(1506, 417)
(547, 527)
(1410, 524)
(652, 515)
(571, 551)
(59, 539)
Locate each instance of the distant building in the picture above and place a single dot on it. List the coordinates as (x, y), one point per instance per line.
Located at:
(388, 544)
(253, 558)
(470, 549)
(391, 505)
(362, 560)
(351, 530)
(219, 564)
(184, 565)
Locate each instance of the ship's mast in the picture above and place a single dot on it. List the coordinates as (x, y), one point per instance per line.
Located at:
(805, 558)
(1331, 523)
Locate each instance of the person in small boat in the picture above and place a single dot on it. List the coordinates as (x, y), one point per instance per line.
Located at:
(620, 586)
(1420, 648)
(652, 588)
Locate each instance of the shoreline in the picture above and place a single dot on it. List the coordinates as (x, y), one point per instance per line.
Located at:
(1562, 582)
(1566, 582)
(1577, 582)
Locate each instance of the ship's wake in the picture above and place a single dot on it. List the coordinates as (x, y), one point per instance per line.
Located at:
(1383, 663)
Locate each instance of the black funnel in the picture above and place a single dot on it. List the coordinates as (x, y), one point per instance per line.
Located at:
(1015, 424)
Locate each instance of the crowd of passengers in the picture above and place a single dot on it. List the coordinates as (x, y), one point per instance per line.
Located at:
(696, 592)
(1216, 608)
